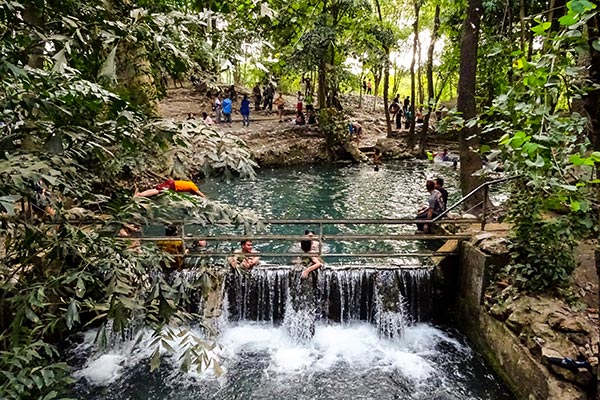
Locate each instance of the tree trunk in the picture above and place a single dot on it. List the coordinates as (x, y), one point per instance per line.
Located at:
(322, 94)
(431, 101)
(522, 21)
(33, 18)
(386, 78)
(591, 101)
(134, 74)
(466, 105)
(411, 132)
(396, 85)
(377, 77)
(386, 84)
(360, 87)
(421, 95)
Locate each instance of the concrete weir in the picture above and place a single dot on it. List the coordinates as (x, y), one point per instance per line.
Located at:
(502, 349)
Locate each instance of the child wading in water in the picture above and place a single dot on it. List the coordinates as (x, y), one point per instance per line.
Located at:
(377, 159)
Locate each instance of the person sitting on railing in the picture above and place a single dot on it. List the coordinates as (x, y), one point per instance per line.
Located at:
(435, 206)
(242, 259)
(310, 262)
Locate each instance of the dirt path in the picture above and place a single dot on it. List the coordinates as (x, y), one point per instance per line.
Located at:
(264, 127)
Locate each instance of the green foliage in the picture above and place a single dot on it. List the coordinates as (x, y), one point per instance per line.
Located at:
(543, 243)
(64, 122)
(547, 146)
(333, 125)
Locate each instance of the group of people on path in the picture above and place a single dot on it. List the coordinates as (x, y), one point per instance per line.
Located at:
(404, 111)
(264, 99)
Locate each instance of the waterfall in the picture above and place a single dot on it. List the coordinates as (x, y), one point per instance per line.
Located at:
(389, 298)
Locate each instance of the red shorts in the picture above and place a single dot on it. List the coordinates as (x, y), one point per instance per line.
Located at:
(299, 107)
(170, 184)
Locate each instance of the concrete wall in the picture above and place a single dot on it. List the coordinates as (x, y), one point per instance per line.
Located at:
(524, 375)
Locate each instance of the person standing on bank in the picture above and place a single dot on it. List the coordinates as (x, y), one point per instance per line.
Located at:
(435, 206)
(217, 108)
(227, 108)
(245, 111)
(257, 97)
(280, 103)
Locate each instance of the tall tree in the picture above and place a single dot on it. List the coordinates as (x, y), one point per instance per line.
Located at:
(386, 75)
(411, 133)
(431, 100)
(466, 103)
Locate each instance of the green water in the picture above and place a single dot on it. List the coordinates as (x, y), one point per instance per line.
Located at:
(397, 190)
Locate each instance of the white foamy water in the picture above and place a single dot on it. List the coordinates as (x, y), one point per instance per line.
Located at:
(355, 346)
(261, 361)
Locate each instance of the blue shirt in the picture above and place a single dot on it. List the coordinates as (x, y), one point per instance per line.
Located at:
(245, 107)
(226, 106)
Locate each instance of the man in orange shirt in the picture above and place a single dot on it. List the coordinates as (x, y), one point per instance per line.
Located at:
(178, 186)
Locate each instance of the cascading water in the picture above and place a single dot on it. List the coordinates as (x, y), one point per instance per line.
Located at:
(355, 329)
(391, 298)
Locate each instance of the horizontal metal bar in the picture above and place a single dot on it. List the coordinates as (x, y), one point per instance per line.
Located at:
(418, 236)
(403, 221)
(377, 255)
(334, 267)
(478, 188)
(392, 267)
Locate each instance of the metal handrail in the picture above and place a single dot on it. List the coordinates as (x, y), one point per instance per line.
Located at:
(484, 186)
(320, 237)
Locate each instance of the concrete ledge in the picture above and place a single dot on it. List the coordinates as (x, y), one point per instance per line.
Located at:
(512, 361)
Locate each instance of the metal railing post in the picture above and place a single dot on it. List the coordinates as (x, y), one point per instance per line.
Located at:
(484, 207)
(183, 238)
(320, 238)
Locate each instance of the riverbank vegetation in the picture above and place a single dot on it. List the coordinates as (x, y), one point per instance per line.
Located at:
(79, 86)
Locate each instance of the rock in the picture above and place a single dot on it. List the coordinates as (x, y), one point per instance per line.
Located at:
(481, 236)
(518, 320)
(500, 311)
(566, 323)
(469, 216)
(393, 149)
(581, 377)
(537, 337)
(550, 353)
(495, 246)
(578, 338)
